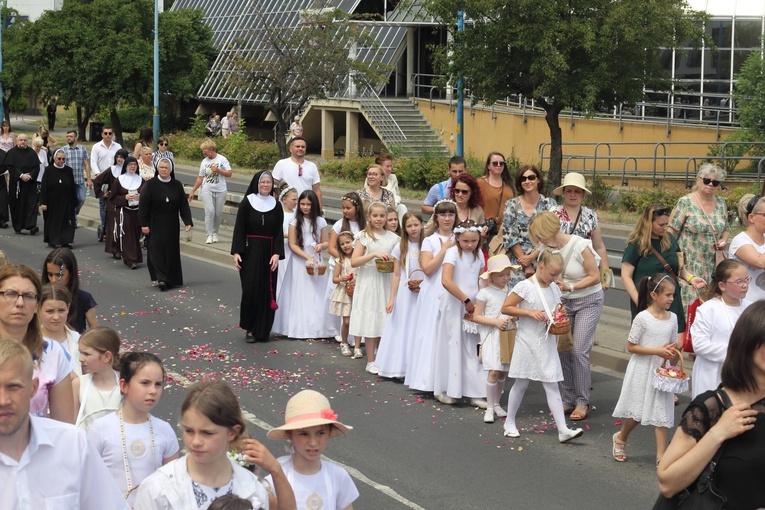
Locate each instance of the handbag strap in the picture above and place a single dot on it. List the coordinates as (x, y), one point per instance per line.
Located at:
(723, 400)
(574, 241)
(544, 303)
(576, 221)
(664, 263)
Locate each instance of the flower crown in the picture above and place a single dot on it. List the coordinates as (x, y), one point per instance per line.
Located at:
(445, 201)
(348, 198)
(285, 191)
(471, 228)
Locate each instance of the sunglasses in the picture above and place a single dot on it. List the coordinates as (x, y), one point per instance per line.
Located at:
(497, 163)
(458, 191)
(530, 178)
(300, 170)
(665, 211)
(707, 181)
(162, 143)
(107, 134)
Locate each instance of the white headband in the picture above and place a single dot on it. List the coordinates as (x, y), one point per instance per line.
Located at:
(445, 201)
(285, 191)
(472, 228)
(660, 280)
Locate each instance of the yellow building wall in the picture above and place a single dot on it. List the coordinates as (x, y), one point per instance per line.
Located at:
(508, 132)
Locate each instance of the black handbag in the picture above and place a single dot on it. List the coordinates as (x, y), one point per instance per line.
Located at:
(701, 494)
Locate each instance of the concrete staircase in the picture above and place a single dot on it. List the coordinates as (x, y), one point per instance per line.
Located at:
(402, 128)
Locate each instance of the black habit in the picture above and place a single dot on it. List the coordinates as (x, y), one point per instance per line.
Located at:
(257, 237)
(23, 194)
(159, 207)
(4, 217)
(59, 193)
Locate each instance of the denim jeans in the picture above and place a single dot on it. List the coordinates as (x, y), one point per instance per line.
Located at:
(81, 189)
(102, 210)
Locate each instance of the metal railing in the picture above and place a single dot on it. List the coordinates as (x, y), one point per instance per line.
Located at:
(381, 117)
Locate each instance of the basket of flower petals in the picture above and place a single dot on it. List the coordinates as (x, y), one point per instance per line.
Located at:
(350, 285)
(384, 266)
(671, 378)
(560, 322)
(414, 285)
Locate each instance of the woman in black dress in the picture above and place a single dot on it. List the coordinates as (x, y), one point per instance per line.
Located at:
(163, 199)
(257, 247)
(58, 200)
(124, 199)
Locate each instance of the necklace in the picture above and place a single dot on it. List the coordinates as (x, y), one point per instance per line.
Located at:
(125, 453)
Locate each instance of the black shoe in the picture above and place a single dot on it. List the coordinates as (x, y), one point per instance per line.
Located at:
(249, 338)
(17, 231)
(117, 255)
(4, 225)
(100, 234)
(162, 285)
(133, 266)
(33, 231)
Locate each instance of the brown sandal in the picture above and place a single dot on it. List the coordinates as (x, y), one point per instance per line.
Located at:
(577, 415)
(617, 449)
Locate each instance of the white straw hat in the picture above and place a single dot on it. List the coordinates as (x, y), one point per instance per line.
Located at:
(305, 409)
(497, 264)
(572, 179)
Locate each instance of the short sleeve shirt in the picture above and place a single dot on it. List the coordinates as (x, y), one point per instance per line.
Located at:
(301, 177)
(214, 181)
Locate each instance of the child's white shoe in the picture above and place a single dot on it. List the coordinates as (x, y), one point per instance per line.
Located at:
(499, 412)
(445, 399)
(479, 403)
(564, 437)
(345, 349)
(488, 416)
(512, 433)
(357, 354)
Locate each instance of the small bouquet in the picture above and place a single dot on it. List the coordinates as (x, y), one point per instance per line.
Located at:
(670, 378)
(560, 322)
(350, 285)
(468, 326)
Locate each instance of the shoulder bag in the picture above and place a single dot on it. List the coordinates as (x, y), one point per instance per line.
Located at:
(720, 255)
(701, 494)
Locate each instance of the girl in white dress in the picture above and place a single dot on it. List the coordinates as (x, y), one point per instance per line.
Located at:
(457, 371)
(488, 313)
(55, 301)
(212, 424)
(652, 339)
(723, 304)
(372, 287)
(288, 198)
(352, 221)
(535, 355)
(132, 442)
(400, 322)
(97, 391)
(341, 303)
(419, 373)
(299, 315)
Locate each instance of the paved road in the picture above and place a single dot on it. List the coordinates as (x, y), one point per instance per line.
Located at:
(406, 450)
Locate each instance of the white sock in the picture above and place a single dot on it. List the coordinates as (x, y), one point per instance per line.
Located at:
(556, 406)
(491, 395)
(514, 399)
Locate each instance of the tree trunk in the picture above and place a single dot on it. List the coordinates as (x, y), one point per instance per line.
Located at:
(552, 117)
(83, 118)
(114, 117)
(281, 127)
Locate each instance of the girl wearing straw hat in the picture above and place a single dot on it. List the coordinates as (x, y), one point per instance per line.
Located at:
(309, 422)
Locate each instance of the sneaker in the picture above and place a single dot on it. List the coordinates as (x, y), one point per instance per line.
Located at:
(209, 240)
(215, 238)
(571, 434)
(445, 399)
(345, 349)
(479, 403)
(499, 412)
(488, 416)
(357, 354)
(372, 369)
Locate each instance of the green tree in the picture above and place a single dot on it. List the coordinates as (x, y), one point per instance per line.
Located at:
(749, 94)
(97, 55)
(291, 65)
(579, 54)
(14, 77)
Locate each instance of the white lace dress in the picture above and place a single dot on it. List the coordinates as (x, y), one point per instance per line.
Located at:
(639, 400)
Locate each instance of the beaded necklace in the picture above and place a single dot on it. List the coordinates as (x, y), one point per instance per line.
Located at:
(125, 460)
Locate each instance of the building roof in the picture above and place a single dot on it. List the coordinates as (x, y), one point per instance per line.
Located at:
(737, 8)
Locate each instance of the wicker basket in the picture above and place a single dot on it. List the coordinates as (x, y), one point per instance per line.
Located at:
(384, 266)
(350, 287)
(560, 328)
(671, 379)
(414, 285)
(315, 268)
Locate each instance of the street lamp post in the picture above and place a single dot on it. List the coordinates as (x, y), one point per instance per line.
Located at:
(155, 125)
(460, 97)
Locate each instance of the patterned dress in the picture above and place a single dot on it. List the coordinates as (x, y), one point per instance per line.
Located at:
(697, 240)
(515, 226)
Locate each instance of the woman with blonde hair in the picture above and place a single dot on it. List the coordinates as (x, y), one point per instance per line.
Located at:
(748, 247)
(583, 299)
(651, 250)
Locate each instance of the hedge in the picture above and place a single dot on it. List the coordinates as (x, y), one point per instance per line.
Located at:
(238, 150)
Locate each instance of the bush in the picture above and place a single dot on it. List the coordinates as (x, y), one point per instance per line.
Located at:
(238, 150)
(636, 200)
(135, 117)
(733, 195)
(600, 193)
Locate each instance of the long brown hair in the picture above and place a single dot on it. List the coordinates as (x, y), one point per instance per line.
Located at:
(643, 230)
(33, 339)
(405, 237)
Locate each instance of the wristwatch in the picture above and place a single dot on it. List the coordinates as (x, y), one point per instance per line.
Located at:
(467, 300)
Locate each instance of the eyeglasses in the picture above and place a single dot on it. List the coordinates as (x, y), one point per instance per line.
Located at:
(300, 170)
(11, 296)
(497, 163)
(707, 181)
(458, 191)
(530, 178)
(741, 281)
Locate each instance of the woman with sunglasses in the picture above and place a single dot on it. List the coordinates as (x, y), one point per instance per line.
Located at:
(497, 188)
(518, 214)
(649, 247)
(162, 152)
(699, 221)
(467, 195)
(748, 247)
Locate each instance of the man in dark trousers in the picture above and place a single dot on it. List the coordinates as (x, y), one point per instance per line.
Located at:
(51, 116)
(24, 166)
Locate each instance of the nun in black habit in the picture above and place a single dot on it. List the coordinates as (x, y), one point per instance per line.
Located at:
(58, 200)
(23, 166)
(257, 246)
(163, 199)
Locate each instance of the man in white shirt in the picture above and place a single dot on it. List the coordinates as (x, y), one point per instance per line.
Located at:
(102, 159)
(45, 463)
(298, 172)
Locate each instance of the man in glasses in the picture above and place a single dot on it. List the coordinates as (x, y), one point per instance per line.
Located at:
(77, 159)
(102, 159)
(442, 190)
(297, 171)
